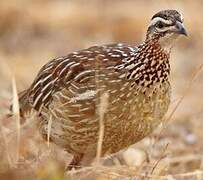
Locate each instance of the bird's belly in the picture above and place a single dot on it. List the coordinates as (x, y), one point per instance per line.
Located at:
(136, 118)
(127, 119)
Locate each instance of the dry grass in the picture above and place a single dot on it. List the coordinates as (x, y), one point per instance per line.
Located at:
(30, 36)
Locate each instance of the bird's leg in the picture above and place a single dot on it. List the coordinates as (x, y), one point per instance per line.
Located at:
(76, 162)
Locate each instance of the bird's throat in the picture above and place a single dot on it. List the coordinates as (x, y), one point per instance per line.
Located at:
(167, 42)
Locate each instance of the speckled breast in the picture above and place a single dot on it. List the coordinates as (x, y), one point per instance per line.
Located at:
(132, 112)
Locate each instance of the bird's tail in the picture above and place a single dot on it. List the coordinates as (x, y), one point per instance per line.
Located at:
(24, 106)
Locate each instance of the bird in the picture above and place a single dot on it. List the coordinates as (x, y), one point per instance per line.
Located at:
(129, 85)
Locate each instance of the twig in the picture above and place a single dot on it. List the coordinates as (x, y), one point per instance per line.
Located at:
(16, 114)
(102, 109)
(161, 158)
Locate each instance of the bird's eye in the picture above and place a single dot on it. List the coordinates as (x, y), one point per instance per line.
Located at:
(160, 25)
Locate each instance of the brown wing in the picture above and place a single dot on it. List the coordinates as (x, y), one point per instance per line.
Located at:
(79, 67)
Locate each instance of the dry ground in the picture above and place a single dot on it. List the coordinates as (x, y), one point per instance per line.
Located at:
(34, 31)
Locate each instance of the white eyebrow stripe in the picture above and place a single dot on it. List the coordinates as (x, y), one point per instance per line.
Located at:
(156, 19)
(181, 17)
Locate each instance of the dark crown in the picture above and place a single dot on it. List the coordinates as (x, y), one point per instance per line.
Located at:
(169, 14)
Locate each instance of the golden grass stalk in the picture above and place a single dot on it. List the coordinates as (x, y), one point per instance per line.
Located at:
(16, 115)
(102, 103)
(101, 111)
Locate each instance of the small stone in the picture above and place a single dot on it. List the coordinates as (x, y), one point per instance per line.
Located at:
(134, 157)
(191, 138)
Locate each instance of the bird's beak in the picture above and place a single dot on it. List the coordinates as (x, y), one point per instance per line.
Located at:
(180, 29)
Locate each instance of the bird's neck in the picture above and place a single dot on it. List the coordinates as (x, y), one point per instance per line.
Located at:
(155, 45)
(166, 42)
(152, 65)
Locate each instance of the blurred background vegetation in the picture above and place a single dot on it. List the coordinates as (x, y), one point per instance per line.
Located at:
(34, 31)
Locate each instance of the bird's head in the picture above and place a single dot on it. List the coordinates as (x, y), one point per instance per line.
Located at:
(166, 26)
